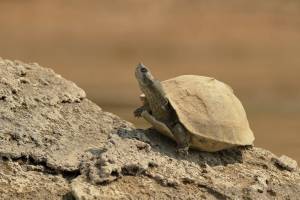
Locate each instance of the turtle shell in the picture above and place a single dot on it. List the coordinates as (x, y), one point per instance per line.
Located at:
(210, 111)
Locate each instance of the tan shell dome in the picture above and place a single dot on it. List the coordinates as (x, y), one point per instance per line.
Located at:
(209, 109)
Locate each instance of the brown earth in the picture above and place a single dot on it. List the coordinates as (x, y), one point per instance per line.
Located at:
(57, 144)
(251, 45)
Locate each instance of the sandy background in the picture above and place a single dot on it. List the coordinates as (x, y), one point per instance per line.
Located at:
(251, 45)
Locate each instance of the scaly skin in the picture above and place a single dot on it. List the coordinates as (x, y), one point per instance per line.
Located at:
(156, 104)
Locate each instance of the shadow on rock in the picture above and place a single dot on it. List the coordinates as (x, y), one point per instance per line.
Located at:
(165, 146)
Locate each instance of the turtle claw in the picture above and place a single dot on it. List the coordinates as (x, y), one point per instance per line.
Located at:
(183, 151)
(138, 112)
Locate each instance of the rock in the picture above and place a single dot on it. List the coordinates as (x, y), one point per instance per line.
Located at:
(47, 124)
(52, 123)
(285, 162)
(56, 144)
(18, 183)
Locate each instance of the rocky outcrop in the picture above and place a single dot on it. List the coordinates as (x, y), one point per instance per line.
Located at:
(56, 144)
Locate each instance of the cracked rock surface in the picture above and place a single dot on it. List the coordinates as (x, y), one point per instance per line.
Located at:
(56, 144)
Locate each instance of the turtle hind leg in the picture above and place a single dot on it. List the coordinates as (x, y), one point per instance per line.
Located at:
(182, 137)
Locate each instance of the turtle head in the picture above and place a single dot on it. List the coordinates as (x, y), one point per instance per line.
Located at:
(143, 75)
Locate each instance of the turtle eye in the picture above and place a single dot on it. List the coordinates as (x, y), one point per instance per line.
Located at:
(144, 70)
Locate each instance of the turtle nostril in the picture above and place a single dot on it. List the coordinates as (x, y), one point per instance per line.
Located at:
(144, 70)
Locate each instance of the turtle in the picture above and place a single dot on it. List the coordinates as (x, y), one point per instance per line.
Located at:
(195, 111)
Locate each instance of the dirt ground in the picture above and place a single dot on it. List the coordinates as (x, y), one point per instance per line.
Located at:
(251, 45)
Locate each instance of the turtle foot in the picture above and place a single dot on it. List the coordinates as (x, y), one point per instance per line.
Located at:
(183, 151)
(138, 112)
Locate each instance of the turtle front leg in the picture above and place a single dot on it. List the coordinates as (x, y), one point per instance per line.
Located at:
(145, 107)
(138, 112)
(182, 137)
(176, 132)
(157, 125)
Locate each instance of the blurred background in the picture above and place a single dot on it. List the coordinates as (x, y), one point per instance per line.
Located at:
(253, 46)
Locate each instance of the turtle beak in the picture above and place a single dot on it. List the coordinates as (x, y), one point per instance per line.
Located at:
(143, 74)
(141, 68)
(140, 71)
